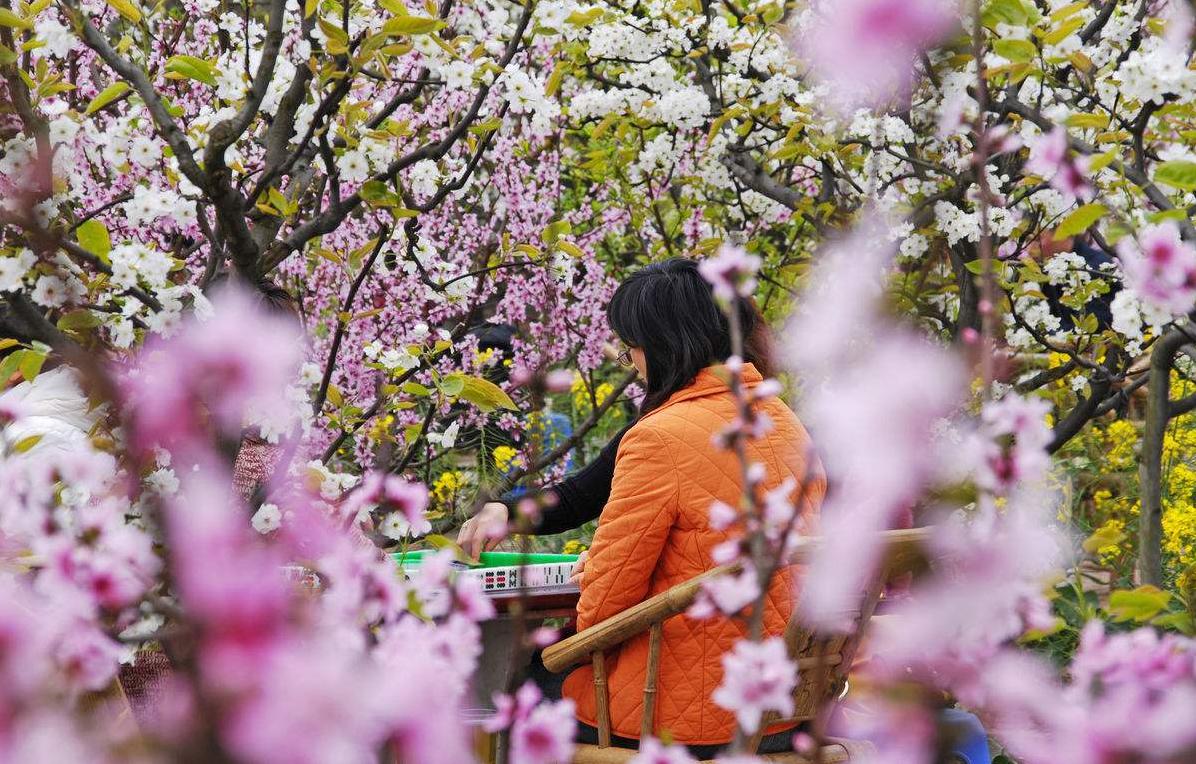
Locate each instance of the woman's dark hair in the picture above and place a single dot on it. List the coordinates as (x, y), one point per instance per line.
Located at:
(668, 310)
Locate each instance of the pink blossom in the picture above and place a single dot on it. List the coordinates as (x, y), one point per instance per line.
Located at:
(312, 702)
(1049, 158)
(88, 658)
(1048, 152)
(544, 636)
(866, 51)
(1000, 139)
(558, 380)
(545, 736)
(769, 388)
(471, 599)
(10, 411)
(541, 733)
(1014, 437)
(946, 632)
(210, 372)
(389, 494)
(722, 515)
(652, 751)
(872, 430)
(1179, 19)
(757, 677)
(731, 272)
(509, 708)
(1160, 268)
(728, 594)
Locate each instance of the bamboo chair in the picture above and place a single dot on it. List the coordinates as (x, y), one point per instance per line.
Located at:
(823, 661)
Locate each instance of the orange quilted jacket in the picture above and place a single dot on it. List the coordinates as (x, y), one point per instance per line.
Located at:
(655, 533)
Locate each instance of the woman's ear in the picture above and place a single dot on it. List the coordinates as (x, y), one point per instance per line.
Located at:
(640, 361)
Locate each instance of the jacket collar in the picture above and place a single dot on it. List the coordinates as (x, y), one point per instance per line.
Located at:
(710, 381)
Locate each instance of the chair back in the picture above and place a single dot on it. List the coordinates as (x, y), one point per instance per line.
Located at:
(824, 659)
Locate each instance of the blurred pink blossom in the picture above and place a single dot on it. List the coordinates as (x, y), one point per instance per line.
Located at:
(866, 51)
(391, 494)
(213, 371)
(1160, 268)
(1014, 437)
(558, 380)
(757, 677)
(727, 594)
(1050, 159)
(652, 751)
(541, 732)
(731, 272)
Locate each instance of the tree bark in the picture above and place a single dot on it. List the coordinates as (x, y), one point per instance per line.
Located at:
(1150, 460)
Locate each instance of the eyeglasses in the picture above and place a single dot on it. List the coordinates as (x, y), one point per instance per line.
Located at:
(624, 358)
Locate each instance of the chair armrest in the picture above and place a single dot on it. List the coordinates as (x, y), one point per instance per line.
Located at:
(904, 552)
(622, 626)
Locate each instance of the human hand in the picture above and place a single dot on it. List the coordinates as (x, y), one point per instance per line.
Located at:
(578, 571)
(483, 531)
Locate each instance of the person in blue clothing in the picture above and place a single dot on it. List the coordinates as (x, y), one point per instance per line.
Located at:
(553, 428)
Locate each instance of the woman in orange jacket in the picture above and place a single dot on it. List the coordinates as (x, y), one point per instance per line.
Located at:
(655, 531)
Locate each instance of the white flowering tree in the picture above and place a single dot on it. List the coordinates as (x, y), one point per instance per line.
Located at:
(1082, 128)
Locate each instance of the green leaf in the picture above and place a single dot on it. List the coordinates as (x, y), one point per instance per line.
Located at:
(584, 18)
(1066, 11)
(26, 443)
(415, 388)
(1181, 622)
(126, 9)
(334, 396)
(374, 190)
(1161, 215)
(30, 364)
(10, 19)
(93, 236)
(107, 96)
(192, 68)
(485, 394)
(554, 230)
(1178, 174)
(1141, 604)
(486, 126)
(1098, 121)
(337, 42)
(78, 320)
(1011, 12)
(8, 366)
(1015, 50)
(1080, 220)
(1057, 35)
(411, 25)
(453, 384)
(1105, 536)
(555, 79)
(569, 248)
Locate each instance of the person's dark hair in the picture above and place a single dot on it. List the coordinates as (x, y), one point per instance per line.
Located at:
(668, 310)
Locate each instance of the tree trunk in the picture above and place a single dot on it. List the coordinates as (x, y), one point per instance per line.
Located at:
(1150, 460)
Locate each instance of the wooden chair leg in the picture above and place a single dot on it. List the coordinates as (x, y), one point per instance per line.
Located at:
(602, 698)
(647, 721)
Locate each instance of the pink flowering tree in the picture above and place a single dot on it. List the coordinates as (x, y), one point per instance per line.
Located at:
(982, 209)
